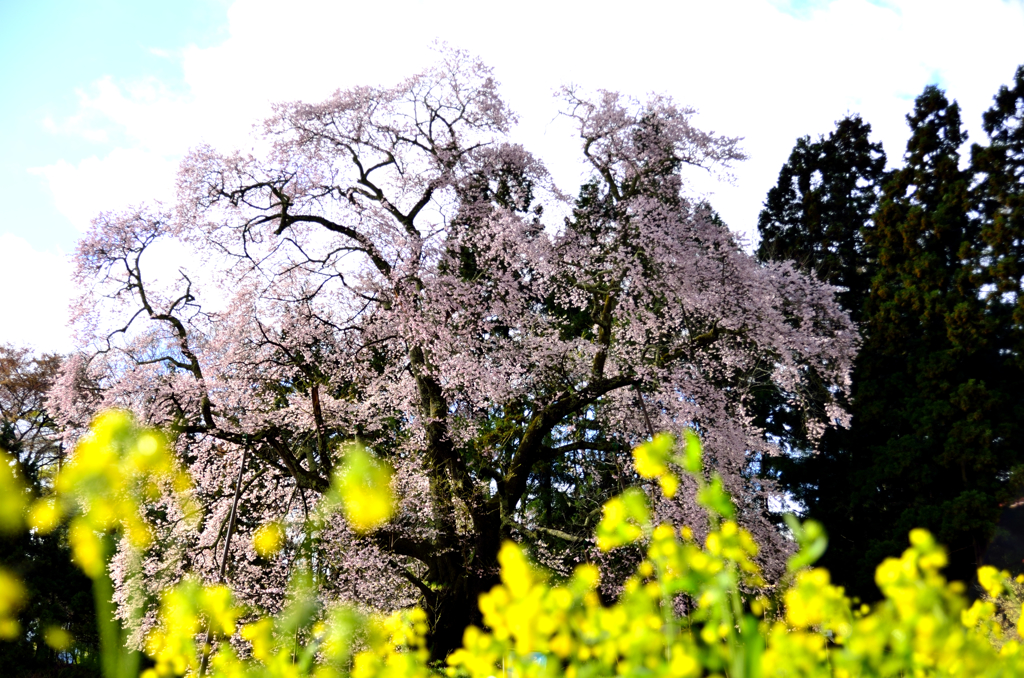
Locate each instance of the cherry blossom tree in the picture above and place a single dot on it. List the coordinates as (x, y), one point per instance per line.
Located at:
(385, 268)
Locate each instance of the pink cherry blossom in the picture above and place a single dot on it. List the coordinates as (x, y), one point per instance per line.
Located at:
(392, 276)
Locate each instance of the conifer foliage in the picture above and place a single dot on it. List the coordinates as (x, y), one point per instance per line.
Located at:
(1000, 196)
(927, 389)
(935, 440)
(815, 216)
(816, 213)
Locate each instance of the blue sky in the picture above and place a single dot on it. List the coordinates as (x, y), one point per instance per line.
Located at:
(103, 96)
(52, 49)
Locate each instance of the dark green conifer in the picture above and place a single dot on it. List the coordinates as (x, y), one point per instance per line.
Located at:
(999, 195)
(935, 440)
(924, 392)
(815, 214)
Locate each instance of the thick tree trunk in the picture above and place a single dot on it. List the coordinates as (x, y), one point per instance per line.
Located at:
(456, 577)
(455, 604)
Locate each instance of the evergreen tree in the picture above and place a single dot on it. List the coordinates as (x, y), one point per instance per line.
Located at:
(815, 214)
(924, 392)
(934, 440)
(1000, 199)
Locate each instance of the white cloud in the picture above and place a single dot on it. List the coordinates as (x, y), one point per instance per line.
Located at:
(36, 291)
(751, 68)
(126, 176)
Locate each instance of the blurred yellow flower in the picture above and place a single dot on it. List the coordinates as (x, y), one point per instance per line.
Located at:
(516, 571)
(113, 472)
(12, 598)
(268, 539)
(624, 519)
(669, 484)
(650, 457)
(58, 638)
(218, 603)
(588, 575)
(259, 636)
(364, 486)
(44, 515)
(86, 548)
(992, 580)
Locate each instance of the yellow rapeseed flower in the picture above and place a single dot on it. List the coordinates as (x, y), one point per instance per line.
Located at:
(980, 611)
(624, 519)
(268, 539)
(669, 485)
(258, 634)
(44, 515)
(113, 471)
(516, 571)
(650, 457)
(588, 575)
(364, 486)
(58, 638)
(12, 598)
(218, 604)
(86, 548)
(992, 580)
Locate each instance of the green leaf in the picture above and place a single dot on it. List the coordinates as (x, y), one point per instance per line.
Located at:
(626, 519)
(692, 462)
(812, 539)
(715, 497)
